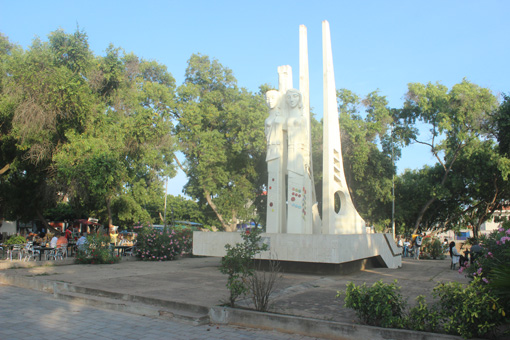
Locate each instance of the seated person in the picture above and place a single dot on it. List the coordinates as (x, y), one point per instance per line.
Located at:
(82, 241)
(53, 242)
(475, 251)
(61, 241)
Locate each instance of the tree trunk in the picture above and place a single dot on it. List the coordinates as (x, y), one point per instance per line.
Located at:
(4, 169)
(45, 223)
(109, 210)
(233, 225)
(422, 212)
(225, 225)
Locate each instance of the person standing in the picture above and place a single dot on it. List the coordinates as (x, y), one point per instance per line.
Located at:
(417, 246)
(407, 245)
(455, 255)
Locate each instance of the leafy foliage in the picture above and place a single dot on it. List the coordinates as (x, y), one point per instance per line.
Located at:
(93, 129)
(367, 153)
(422, 317)
(97, 250)
(454, 119)
(472, 311)
(16, 239)
(431, 248)
(155, 245)
(238, 263)
(221, 134)
(380, 305)
(491, 266)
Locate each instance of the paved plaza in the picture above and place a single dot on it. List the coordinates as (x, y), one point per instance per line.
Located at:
(194, 281)
(29, 314)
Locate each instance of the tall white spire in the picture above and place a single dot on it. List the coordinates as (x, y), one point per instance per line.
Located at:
(339, 216)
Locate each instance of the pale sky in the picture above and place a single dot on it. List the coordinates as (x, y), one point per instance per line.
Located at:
(376, 44)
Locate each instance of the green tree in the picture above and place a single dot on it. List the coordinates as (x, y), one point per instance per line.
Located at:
(126, 149)
(180, 208)
(454, 118)
(221, 133)
(96, 130)
(501, 128)
(44, 96)
(365, 126)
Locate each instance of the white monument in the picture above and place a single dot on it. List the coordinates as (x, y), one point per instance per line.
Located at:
(294, 229)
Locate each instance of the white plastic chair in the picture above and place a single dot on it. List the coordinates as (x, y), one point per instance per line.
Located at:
(30, 252)
(16, 248)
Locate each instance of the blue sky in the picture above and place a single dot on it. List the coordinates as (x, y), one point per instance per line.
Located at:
(376, 44)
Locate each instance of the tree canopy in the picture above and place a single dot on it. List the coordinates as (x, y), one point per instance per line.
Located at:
(220, 131)
(95, 135)
(91, 130)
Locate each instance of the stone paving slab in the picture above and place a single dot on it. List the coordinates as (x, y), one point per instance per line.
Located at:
(29, 314)
(198, 281)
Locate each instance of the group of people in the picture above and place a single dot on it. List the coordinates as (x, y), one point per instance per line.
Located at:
(468, 256)
(411, 248)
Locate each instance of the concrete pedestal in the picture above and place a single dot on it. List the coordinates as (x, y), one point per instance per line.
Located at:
(319, 249)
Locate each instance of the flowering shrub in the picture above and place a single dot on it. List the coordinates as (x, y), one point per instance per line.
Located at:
(97, 250)
(155, 245)
(495, 254)
(185, 238)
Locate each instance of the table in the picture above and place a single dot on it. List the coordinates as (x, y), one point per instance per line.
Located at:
(42, 250)
(123, 248)
(71, 247)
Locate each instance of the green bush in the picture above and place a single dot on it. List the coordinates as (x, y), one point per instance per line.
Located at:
(472, 311)
(155, 245)
(422, 318)
(97, 250)
(238, 263)
(380, 305)
(16, 239)
(431, 248)
(185, 238)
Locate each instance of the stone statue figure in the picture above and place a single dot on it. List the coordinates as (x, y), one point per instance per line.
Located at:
(275, 129)
(275, 125)
(298, 151)
(299, 182)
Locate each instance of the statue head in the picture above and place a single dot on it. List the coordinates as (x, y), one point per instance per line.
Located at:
(294, 98)
(272, 98)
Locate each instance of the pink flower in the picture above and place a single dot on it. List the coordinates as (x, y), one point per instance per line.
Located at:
(500, 229)
(490, 254)
(461, 269)
(485, 280)
(507, 231)
(479, 271)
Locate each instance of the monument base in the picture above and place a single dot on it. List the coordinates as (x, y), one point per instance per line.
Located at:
(354, 250)
(323, 268)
